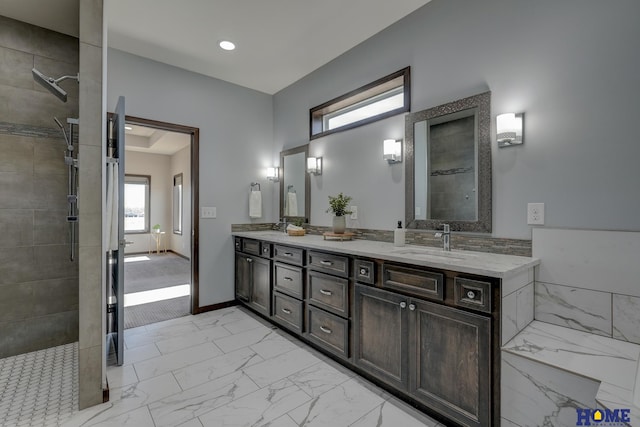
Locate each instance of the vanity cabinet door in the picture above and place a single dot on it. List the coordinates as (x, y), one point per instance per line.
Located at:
(381, 334)
(243, 277)
(451, 363)
(261, 285)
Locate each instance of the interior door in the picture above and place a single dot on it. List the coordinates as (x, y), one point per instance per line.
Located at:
(115, 264)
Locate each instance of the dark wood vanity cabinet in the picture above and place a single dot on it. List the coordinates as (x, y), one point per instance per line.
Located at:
(438, 355)
(428, 335)
(253, 277)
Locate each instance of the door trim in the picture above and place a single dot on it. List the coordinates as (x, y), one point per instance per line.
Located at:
(195, 197)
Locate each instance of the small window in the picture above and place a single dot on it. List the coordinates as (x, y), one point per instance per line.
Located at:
(177, 204)
(136, 203)
(383, 98)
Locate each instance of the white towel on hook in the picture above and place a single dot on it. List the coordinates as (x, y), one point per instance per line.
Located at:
(292, 204)
(112, 207)
(255, 204)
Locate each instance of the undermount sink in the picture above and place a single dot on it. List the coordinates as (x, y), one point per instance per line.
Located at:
(429, 253)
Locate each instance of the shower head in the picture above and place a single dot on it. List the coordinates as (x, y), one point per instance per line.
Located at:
(51, 84)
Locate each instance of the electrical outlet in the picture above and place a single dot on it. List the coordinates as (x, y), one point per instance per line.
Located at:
(208, 212)
(354, 212)
(535, 213)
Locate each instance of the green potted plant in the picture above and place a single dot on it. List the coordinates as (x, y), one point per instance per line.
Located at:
(156, 228)
(339, 206)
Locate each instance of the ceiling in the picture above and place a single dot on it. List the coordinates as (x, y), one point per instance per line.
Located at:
(154, 141)
(278, 41)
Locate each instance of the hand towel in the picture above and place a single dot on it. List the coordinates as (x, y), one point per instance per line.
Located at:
(255, 204)
(292, 204)
(294, 227)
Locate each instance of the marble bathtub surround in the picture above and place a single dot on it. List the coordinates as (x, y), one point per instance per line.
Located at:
(626, 322)
(466, 242)
(548, 365)
(581, 309)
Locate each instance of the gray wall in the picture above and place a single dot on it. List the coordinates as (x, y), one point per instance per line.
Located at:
(236, 147)
(571, 66)
(38, 282)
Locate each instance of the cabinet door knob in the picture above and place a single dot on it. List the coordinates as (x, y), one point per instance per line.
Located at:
(403, 304)
(471, 294)
(249, 260)
(286, 311)
(363, 271)
(412, 307)
(325, 330)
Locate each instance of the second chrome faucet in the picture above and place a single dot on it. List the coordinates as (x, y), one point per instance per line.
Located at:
(446, 237)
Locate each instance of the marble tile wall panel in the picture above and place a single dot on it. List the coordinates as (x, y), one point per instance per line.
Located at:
(575, 308)
(525, 300)
(509, 317)
(535, 394)
(590, 259)
(626, 318)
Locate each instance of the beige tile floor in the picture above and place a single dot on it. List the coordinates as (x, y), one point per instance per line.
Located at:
(229, 368)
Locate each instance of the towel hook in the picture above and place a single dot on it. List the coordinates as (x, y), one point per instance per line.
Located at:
(255, 184)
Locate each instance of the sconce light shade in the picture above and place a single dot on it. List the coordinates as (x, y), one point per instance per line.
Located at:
(509, 129)
(392, 150)
(314, 165)
(273, 174)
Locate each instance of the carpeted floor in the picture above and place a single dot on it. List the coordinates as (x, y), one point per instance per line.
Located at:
(146, 272)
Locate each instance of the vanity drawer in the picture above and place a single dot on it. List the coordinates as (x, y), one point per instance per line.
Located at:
(328, 292)
(288, 279)
(365, 271)
(329, 331)
(329, 263)
(421, 283)
(473, 294)
(250, 246)
(288, 254)
(288, 311)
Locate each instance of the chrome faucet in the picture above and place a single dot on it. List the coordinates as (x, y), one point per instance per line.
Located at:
(446, 237)
(283, 222)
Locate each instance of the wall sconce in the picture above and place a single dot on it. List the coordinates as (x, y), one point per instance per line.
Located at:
(509, 129)
(273, 174)
(392, 150)
(314, 165)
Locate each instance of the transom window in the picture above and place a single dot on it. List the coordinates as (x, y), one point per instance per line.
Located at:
(383, 98)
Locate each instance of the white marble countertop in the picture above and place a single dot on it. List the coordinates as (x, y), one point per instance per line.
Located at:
(480, 263)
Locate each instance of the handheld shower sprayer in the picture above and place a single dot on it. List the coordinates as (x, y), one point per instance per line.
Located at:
(51, 84)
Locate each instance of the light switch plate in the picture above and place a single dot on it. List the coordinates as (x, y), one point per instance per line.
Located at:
(354, 212)
(535, 213)
(208, 212)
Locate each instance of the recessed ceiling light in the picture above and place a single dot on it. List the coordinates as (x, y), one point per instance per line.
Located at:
(227, 45)
(128, 128)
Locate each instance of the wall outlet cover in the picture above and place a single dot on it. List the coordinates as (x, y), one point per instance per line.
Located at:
(354, 212)
(208, 212)
(535, 213)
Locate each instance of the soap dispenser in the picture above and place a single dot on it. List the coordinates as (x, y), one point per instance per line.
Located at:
(399, 235)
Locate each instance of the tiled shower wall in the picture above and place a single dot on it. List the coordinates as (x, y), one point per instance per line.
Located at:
(38, 282)
(589, 280)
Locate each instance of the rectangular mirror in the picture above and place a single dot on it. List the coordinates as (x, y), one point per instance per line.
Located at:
(295, 184)
(448, 166)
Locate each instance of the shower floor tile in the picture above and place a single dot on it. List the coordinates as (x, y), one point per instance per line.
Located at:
(39, 388)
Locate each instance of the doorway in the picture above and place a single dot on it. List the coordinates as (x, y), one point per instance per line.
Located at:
(161, 221)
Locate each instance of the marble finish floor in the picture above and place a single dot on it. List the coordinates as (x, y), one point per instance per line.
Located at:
(229, 368)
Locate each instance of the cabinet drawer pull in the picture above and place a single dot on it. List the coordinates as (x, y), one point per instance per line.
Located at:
(288, 279)
(403, 304)
(288, 254)
(325, 330)
(249, 260)
(325, 292)
(412, 307)
(286, 311)
(326, 263)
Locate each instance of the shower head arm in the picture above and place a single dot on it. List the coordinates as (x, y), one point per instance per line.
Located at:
(63, 78)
